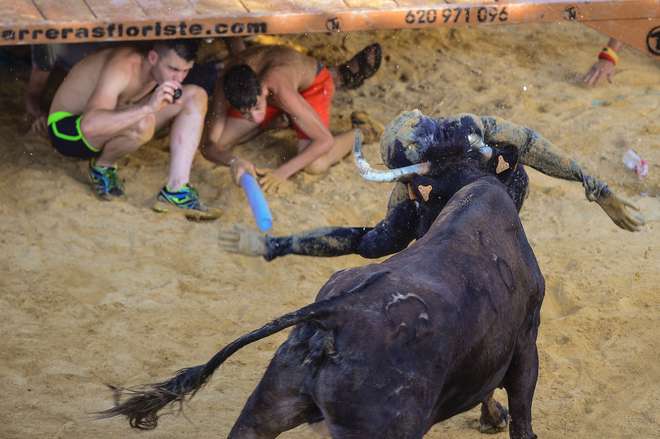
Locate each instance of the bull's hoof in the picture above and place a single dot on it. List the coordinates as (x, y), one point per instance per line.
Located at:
(494, 420)
(487, 428)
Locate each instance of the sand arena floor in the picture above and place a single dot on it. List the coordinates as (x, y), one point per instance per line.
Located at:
(94, 292)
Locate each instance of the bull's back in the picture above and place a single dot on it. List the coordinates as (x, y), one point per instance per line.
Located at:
(446, 309)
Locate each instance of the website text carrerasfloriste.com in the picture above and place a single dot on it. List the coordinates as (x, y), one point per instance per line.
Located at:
(119, 30)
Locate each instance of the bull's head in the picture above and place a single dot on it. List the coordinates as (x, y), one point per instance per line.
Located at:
(416, 144)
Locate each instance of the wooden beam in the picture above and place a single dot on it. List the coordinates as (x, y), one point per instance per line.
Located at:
(153, 19)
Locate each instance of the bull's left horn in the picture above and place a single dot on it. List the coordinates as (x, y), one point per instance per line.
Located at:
(368, 173)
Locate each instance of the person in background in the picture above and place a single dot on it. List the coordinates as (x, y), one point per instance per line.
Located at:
(113, 101)
(265, 85)
(608, 58)
(45, 59)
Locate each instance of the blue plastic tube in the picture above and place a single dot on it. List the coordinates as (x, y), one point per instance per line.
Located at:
(258, 204)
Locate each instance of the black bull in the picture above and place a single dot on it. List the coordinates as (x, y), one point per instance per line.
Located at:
(388, 350)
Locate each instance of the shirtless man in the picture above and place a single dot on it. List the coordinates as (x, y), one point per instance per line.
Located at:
(114, 100)
(265, 81)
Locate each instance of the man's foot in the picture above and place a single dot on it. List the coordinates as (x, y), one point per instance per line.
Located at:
(185, 200)
(362, 66)
(105, 181)
(371, 128)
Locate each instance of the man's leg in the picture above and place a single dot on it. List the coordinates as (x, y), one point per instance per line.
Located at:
(342, 145)
(126, 141)
(102, 169)
(187, 117)
(352, 73)
(236, 131)
(186, 132)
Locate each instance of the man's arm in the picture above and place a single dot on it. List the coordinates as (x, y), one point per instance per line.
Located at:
(215, 125)
(212, 149)
(533, 149)
(536, 151)
(102, 119)
(389, 236)
(42, 65)
(606, 63)
(235, 45)
(305, 118)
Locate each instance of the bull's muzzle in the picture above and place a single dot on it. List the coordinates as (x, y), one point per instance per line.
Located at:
(398, 174)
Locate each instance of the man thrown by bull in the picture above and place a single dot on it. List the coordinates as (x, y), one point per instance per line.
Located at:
(113, 101)
(416, 201)
(410, 146)
(266, 85)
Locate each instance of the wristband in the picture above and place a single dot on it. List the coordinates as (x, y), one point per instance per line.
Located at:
(609, 54)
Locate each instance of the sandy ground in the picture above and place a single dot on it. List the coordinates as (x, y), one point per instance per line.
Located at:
(95, 292)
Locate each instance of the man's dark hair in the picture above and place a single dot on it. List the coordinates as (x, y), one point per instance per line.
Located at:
(186, 49)
(241, 87)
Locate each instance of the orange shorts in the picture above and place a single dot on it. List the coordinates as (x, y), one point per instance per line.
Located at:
(318, 95)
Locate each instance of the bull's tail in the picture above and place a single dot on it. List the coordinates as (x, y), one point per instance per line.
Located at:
(144, 402)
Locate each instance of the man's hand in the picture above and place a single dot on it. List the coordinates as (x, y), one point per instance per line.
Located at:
(601, 68)
(242, 240)
(35, 117)
(38, 127)
(163, 95)
(239, 167)
(618, 210)
(270, 180)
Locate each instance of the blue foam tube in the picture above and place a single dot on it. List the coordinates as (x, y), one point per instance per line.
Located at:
(257, 201)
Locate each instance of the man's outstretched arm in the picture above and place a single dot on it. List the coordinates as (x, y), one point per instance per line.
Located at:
(536, 151)
(389, 236)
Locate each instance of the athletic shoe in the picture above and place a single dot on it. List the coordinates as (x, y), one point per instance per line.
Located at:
(185, 200)
(105, 181)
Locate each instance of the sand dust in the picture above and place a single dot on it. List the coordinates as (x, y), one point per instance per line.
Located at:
(98, 292)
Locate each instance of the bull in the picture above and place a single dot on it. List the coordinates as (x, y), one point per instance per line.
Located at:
(387, 350)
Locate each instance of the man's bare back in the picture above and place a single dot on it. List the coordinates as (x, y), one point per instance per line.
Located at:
(76, 90)
(275, 63)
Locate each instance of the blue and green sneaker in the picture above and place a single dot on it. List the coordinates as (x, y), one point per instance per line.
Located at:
(105, 181)
(185, 200)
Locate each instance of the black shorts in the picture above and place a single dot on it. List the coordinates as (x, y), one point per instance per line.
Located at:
(66, 136)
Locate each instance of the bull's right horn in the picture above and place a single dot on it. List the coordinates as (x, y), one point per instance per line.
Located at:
(476, 142)
(371, 174)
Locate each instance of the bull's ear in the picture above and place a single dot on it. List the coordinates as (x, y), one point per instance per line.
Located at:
(504, 161)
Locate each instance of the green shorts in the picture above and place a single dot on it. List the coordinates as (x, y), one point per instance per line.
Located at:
(66, 136)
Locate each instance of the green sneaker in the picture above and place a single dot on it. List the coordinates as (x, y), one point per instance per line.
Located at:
(185, 200)
(105, 181)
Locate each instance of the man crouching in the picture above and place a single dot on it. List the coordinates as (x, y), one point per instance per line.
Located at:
(265, 85)
(113, 101)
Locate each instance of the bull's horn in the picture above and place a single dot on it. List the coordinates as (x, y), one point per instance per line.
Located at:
(368, 173)
(477, 142)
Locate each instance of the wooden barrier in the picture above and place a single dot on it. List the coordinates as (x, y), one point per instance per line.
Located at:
(635, 22)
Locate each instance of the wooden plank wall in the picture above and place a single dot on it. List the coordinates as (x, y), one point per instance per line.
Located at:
(52, 21)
